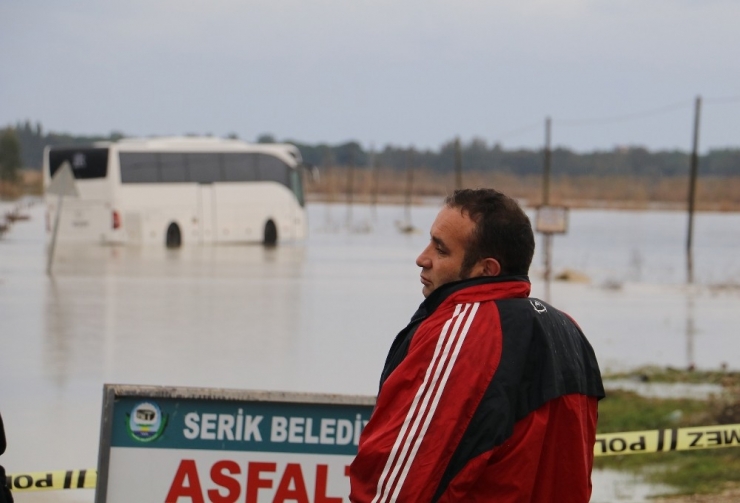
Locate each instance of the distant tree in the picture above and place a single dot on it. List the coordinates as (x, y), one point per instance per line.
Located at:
(31, 138)
(266, 138)
(116, 135)
(327, 156)
(350, 153)
(477, 155)
(10, 155)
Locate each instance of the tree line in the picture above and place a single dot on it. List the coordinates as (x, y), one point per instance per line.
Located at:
(477, 156)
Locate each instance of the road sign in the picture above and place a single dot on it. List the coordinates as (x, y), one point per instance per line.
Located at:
(166, 443)
(551, 219)
(63, 182)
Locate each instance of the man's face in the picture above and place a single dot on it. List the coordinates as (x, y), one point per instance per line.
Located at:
(441, 261)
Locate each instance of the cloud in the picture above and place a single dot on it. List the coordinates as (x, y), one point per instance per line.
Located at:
(411, 71)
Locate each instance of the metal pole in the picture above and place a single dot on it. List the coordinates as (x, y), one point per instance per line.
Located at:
(692, 193)
(53, 243)
(458, 164)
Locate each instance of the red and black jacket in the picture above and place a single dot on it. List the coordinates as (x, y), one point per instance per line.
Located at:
(486, 395)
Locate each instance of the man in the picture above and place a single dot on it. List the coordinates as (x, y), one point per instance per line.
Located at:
(487, 394)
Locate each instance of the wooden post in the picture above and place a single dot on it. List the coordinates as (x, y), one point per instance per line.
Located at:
(545, 202)
(409, 183)
(690, 331)
(546, 174)
(692, 193)
(376, 182)
(350, 184)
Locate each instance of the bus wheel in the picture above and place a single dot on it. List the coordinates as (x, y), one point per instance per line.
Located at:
(270, 234)
(174, 238)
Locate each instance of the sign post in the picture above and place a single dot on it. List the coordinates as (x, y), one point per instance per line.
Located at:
(62, 184)
(550, 220)
(198, 444)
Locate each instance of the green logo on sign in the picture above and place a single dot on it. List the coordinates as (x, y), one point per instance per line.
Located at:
(146, 422)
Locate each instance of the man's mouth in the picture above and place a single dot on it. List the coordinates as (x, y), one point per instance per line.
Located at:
(425, 281)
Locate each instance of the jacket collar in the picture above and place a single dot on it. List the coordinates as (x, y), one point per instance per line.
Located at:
(482, 288)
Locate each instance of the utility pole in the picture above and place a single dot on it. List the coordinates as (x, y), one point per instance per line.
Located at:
(376, 181)
(409, 183)
(350, 184)
(458, 164)
(692, 193)
(546, 202)
(546, 174)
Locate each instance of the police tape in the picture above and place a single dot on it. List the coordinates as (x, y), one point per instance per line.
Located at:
(607, 444)
(670, 439)
(47, 481)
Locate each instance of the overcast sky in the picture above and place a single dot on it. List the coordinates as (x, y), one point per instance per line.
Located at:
(403, 72)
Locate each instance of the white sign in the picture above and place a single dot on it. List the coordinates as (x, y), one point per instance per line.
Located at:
(551, 219)
(175, 445)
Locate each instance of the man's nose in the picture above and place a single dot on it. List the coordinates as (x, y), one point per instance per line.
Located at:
(423, 260)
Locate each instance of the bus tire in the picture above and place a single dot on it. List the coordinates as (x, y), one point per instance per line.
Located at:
(174, 237)
(271, 234)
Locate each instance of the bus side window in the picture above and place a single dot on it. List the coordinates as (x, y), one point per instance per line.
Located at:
(172, 168)
(204, 168)
(274, 170)
(240, 167)
(138, 167)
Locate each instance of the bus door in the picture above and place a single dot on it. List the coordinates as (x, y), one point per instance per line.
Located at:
(207, 213)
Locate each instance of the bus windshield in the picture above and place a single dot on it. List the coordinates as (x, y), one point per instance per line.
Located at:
(86, 162)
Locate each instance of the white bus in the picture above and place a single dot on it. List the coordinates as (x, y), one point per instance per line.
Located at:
(173, 191)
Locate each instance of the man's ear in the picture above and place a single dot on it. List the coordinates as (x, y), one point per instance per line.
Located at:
(491, 267)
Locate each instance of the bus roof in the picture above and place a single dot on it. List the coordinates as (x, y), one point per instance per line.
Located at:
(198, 144)
(208, 144)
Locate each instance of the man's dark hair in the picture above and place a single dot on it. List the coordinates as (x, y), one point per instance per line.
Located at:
(502, 230)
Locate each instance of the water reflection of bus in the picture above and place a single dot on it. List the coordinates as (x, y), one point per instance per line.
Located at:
(174, 191)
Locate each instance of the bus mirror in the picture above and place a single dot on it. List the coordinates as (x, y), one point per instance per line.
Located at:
(313, 172)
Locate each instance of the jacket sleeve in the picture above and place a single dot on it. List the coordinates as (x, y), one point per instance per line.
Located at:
(425, 405)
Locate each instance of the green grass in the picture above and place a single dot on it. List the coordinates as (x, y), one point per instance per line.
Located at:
(695, 472)
(673, 375)
(627, 411)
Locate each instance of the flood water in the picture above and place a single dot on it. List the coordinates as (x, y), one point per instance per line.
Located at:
(318, 316)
